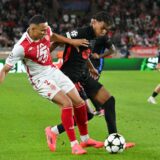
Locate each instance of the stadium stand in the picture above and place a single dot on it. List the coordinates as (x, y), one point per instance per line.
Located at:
(134, 25)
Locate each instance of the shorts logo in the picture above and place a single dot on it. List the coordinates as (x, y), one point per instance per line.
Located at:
(42, 53)
(52, 86)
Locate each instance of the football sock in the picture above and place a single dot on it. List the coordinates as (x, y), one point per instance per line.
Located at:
(84, 138)
(89, 115)
(80, 115)
(154, 94)
(74, 142)
(60, 129)
(68, 123)
(110, 115)
(55, 129)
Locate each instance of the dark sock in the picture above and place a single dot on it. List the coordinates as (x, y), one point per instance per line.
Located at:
(90, 115)
(110, 115)
(61, 128)
(154, 94)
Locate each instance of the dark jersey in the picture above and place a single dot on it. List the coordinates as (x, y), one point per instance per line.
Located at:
(99, 47)
(75, 62)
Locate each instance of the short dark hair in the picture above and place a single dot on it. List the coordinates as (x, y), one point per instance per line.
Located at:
(103, 16)
(37, 19)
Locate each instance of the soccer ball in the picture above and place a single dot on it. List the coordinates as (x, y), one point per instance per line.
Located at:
(115, 143)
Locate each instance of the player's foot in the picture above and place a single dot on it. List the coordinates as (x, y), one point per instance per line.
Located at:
(129, 145)
(92, 143)
(51, 139)
(152, 100)
(101, 113)
(96, 113)
(77, 149)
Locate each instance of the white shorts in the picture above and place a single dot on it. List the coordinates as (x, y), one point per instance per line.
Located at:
(49, 86)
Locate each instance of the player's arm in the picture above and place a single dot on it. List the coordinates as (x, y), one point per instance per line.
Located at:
(75, 42)
(6, 68)
(112, 50)
(16, 55)
(93, 71)
(54, 45)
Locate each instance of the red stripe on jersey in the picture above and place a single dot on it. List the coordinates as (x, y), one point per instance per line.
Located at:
(68, 52)
(30, 76)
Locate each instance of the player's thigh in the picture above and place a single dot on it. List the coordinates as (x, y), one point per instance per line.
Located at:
(68, 87)
(62, 99)
(96, 90)
(48, 88)
(75, 97)
(63, 82)
(91, 86)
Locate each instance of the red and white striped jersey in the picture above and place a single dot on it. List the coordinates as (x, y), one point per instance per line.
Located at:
(35, 55)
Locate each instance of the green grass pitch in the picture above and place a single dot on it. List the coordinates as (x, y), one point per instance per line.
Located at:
(24, 115)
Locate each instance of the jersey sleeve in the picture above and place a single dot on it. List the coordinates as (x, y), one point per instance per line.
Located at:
(16, 55)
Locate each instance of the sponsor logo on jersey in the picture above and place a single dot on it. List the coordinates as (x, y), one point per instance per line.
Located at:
(42, 53)
(74, 33)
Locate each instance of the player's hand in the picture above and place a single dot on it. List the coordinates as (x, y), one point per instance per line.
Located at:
(3, 72)
(94, 73)
(80, 42)
(95, 56)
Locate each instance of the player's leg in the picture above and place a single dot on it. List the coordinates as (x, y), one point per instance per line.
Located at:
(98, 108)
(58, 129)
(65, 104)
(50, 89)
(155, 93)
(80, 112)
(107, 101)
(96, 91)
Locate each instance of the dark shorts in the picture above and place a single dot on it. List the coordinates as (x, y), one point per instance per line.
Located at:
(91, 86)
(81, 91)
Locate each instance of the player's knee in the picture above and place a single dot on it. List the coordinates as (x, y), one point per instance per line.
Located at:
(80, 102)
(109, 102)
(67, 103)
(102, 95)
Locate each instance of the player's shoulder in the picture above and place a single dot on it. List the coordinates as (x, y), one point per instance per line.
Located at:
(86, 32)
(24, 41)
(86, 29)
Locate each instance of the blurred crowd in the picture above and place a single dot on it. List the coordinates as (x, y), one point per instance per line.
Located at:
(136, 22)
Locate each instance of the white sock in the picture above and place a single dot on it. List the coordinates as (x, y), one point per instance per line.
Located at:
(55, 130)
(74, 142)
(84, 137)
